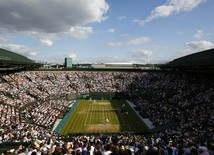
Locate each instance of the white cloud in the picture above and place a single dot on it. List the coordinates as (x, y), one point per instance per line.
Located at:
(170, 7)
(132, 42)
(125, 35)
(138, 41)
(20, 49)
(72, 55)
(114, 44)
(3, 39)
(111, 30)
(121, 17)
(136, 20)
(104, 59)
(200, 45)
(199, 34)
(142, 55)
(58, 17)
(179, 33)
(46, 41)
(80, 32)
(195, 46)
(16, 15)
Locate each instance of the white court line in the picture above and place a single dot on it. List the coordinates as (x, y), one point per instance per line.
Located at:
(103, 116)
(87, 115)
(90, 113)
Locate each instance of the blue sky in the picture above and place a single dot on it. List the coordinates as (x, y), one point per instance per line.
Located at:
(103, 31)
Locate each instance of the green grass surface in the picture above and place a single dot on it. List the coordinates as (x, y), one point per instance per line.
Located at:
(102, 116)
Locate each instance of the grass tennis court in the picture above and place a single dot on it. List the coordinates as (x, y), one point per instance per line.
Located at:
(102, 116)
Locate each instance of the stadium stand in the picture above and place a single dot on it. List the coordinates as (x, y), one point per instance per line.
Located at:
(179, 104)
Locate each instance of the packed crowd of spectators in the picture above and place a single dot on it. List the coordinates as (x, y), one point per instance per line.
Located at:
(9, 115)
(120, 144)
(45, 114)
(179, 103)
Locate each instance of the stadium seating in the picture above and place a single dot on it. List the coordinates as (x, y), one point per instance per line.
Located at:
(178, 104)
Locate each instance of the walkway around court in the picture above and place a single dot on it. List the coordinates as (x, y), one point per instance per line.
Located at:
(147, 121)
(62, 122)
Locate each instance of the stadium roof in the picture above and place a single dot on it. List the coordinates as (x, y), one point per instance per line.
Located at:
(203, 60)
(8, 57)
(10, 61)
